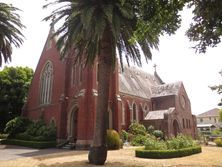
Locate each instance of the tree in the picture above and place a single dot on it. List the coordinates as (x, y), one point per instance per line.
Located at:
(95, 28)
(218, 88)
(206, 30)
(14, 84)
(220, 115)
(10, 31)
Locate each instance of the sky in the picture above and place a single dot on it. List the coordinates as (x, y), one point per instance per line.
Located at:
(175, 59)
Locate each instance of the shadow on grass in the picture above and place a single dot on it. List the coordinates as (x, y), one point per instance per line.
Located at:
(62, 154)
(40, 154)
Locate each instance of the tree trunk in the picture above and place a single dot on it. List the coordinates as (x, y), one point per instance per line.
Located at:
(98, 150)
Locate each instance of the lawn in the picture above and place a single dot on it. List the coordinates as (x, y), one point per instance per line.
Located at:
(210, 156)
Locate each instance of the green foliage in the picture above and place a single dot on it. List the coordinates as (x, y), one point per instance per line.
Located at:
(3, 136)
(220, 114)
(153, 144)
(16, 125)
(113, 140)
(138, 140)
(158, 134)
(137, 129)
(174, 143)
(150, 129)
(14, 85)
(216, 132)
(218, 142)
(24, 129)
(10, 28)
(180, 142)
(206, 29)
(160, 154)
(41, 131)
(218, 88)
(131, 23)
(32, 144)
(124, 135)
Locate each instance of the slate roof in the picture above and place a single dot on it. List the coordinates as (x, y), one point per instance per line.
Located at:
(158, 114)
(136, 82)
(166, 89)
(213, 112)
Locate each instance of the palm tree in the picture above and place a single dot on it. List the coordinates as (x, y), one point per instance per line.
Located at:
(10, 31)
(96, 28)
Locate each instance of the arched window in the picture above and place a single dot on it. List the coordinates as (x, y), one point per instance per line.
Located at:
(184, 124)
(134, 114)
(123, 114)
(145, 110)
(46, 84)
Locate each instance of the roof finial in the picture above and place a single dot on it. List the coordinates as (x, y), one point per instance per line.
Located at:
(155, 67)
(52, 24)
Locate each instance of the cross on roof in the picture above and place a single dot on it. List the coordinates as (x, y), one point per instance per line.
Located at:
(155, 67)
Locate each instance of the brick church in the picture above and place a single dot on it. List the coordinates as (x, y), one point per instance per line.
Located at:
(66, 93)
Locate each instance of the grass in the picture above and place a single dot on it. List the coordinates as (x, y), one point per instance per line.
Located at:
(210, 156)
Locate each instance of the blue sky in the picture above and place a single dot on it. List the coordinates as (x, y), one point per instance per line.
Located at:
(176, 60)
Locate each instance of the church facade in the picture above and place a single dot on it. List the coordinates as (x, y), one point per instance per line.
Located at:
(66, 93)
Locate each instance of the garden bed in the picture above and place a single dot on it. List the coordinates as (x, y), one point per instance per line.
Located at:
(32, 144)
(160, 154)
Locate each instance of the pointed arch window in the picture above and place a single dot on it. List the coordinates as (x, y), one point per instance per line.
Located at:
(123, 121)
(134, 113)
(46, 84)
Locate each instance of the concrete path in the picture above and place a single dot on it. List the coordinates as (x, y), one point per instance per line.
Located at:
(9, 152)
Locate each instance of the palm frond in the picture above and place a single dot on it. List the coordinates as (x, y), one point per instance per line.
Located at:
(10, 31)
(84, 25)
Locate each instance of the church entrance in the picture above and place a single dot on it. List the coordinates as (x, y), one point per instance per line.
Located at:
(176, 129)
(73, 122)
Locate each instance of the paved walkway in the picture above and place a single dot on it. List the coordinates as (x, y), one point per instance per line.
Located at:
(9, 152)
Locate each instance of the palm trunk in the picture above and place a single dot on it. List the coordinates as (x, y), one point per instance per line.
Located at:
(98, 150)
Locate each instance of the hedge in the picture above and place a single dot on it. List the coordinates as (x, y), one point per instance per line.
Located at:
(32, 144)
(160, 154)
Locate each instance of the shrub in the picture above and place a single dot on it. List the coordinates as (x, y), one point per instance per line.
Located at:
(36, 128)
(16, 125)
(218, 142)
(158, 134)
(142, 153)
(23, 136)
(179, 142)
(124, 135)
(137, 129)
(138, 140)
(113, 140)
(3, 136)
(150, 129)
(41, 131)
(216, 132)
(32, 144)
(152, 144)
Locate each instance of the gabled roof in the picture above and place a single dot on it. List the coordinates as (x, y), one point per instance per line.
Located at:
(213, 112)
(136, 82)
(166, 89)
(158, 114)
(205, 125)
